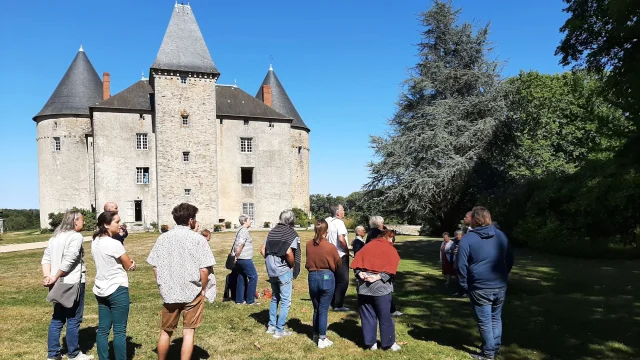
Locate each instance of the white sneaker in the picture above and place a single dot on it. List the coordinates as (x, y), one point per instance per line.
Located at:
(324, 343)
(341, 309)
(395, 347)
(280, 334)
(82, 356)
(396, 313)
(271, 330)
(374, 347)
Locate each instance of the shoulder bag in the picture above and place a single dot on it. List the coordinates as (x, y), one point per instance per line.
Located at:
(66, 294)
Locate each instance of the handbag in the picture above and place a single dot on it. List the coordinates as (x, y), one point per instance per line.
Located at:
(231, 258)
(66, 294)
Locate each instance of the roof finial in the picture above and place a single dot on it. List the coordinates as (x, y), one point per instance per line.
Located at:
(270, 67)
(143, 78)
(270, 59)
(235, 82)
(81, 49)
(176, 3)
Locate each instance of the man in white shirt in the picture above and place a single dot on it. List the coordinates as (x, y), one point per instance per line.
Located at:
(337, 235)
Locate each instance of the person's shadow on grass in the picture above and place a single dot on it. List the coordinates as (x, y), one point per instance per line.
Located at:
(261, 317)
(348, 329)
(176, 347)
(297, 326)
(87, 339)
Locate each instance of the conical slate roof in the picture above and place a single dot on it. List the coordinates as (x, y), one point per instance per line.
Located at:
(79, 88)
(183, 47)
(280, 100)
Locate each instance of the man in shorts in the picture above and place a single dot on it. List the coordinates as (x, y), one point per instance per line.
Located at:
(182, 261)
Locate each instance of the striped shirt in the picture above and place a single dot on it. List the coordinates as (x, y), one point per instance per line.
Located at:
(381, 287)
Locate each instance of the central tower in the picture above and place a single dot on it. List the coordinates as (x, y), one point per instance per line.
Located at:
(184, 77)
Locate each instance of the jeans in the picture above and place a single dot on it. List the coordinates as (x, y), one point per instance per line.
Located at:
(375, 310)
(342, 283)
(487, 304)
(73, 318)
(281, 289)
(246, 274)
(321, 287)
(113, 311)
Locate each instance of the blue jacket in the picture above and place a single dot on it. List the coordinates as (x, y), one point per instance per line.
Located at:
(484, 259)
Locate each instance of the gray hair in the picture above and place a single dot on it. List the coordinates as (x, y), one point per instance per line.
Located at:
(457, 232)
(68, 222)
(243, 219)
(358, 228)
(287, 217)
(334, 209)
(376, 221)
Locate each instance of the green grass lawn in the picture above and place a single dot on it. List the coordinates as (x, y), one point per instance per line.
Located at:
(26, 236)
(557, 308)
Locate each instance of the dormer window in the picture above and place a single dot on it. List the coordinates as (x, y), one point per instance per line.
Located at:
(183, 79)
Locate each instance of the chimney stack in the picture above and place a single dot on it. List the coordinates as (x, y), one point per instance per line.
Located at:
(106, 86)
(266, 95)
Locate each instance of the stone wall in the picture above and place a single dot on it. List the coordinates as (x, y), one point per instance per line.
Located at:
(300, 169)
(116, 158)
(270, 160)
(63, 175)
(197, 98)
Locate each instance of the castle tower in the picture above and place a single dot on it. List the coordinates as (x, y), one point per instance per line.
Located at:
(272, 93)
(62, 128)
(183, 78)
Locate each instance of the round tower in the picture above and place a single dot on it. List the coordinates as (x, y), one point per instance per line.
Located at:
(63, 126)
(273, 94)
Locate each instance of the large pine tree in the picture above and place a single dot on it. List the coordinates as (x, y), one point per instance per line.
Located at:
(446, 115)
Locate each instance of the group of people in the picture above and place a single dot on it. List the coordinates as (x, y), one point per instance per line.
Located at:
(183, 262)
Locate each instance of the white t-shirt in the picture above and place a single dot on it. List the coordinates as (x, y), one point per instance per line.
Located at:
(110, 274)
(336, 228)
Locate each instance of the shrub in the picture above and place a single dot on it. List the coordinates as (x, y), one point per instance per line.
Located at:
(217, 228)
(90, 219)
(266, 225)
(227, 224)
(45, 231)
(350, 223)
(154, 226)
(302, 219)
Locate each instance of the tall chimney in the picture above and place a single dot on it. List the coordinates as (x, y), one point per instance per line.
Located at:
(266, 94)
(106, 86)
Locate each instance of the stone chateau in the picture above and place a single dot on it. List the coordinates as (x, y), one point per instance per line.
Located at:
(178, 136)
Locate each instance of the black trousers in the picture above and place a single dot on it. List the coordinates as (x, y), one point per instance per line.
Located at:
(342, 283)
(374, 312)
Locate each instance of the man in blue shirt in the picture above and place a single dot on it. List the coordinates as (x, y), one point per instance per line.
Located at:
(484, 262)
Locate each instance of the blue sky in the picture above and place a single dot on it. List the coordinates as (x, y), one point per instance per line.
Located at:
(342, 63)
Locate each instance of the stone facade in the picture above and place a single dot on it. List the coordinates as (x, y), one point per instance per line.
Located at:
(300, 169)
(269, 158)
(194, 101)
(116, 157)
(63, 173)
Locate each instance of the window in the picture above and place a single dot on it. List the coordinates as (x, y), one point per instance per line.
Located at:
(271, 124)
(141, 142)
(246, 175)
(249, 209)
(55, 125)
(183, 79)
(185, 120)
(185, 156)
(142, 175)
(56, 144)
(187, 192)
(246, 145)
(246, 123)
